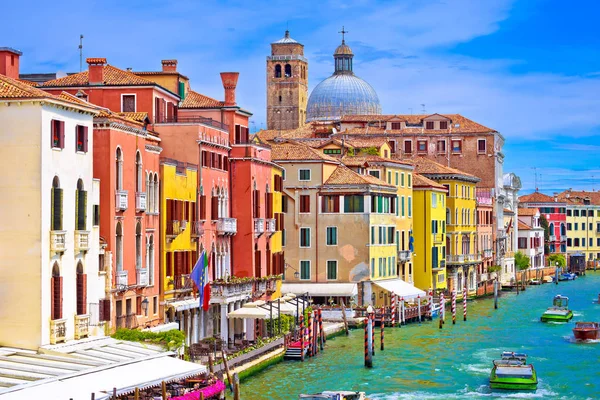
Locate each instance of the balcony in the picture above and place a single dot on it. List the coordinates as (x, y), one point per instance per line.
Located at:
(563, 238)
(226, 289)
(122, 278)
(270, 226)
(487, 253)
(458, 259)
(141, 275)
(197, 229)
(82, 326)
(58, 241)
(183, 283)
(121, 200)
(140, 201)
(127, 321)
(259, 226)
(403, 255)
(82, 241)
(471, 258)
(58, 330)
(226, 226)
(173, 229)
(509, 254)
(552, 238)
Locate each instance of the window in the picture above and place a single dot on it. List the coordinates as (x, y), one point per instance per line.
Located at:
(402, 179)
(433, 200)
(374, 173)
(576, 242)
(441, 146)
(128, 103)
(119, 247)
(304, 237)
(569, 226)
(150, 263)
(456, 146)
(332, 151)
(330, 204)
(305, 270)
(332, 236)
(96, 215)
(138, 172)
(288, 71)
(422, 146)
(283, 174)
(443, 124)
(481, 145)
(372, 267)
(284, 203)
(396, 179)
(396, 125)
(576, 213)
(409, 206)
(331, 270)
(583, 213)
(522, 243)
(56, 205)
(56, 299)
(81, 290)
(80, 207)
(304, 203)
(389, 177)
(119, 169)
(576, 226)
(408, 146)
(429, 125)
(304, 175)
(354, 204)
(403, 213)
(81, 138)
(409, 180)
(283, 237)
(58, 134)
(278, 71)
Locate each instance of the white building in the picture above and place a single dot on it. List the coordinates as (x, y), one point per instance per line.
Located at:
(531, 236)
(507, 189)
(49, 277)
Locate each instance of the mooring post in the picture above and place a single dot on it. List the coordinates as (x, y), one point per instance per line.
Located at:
(321, 331)
(368, 358)
(403, 317)
(453, 307)
(556, 273)
(465, 303)
(496, 294)
(393, 310)
(372, 316)
(440, 310)
(419, 306)
(344, 318)
(382, 325)
(302, 338)
(236, 387)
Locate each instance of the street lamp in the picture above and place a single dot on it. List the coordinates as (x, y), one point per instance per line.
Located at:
(296, 274)
(145, 306)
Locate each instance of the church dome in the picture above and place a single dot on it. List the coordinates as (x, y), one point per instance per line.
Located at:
(343, 93)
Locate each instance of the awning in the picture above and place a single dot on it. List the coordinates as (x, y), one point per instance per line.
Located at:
(321, 289)
(183, 305)
(252, 311)
(125, 376)
(400, 288)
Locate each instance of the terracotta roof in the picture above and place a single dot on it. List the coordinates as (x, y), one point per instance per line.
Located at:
(577, 197)
(426, 166)
(304, 132)
(527, 212)
(16, 89)
(345, 176)
(197, 100)
(294, 151)
(421, 181)
(96, 60)
(30, 83)
(465, 125)
(112, 77)
(135, 116)
(359, 161)
(536, 197)
(69, 97)
(524, 227)
(507, 211)
(362, 143)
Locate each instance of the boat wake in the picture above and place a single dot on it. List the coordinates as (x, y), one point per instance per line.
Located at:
(483, 392)
(572, 339)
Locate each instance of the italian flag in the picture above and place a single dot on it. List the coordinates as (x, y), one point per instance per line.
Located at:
(201, 279)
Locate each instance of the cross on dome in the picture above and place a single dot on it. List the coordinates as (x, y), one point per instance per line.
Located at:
(343, 32)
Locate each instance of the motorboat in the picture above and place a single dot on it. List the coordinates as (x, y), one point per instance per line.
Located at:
(587, 331)
(535, 282)
(567, 276)
(334, 395)
(559, 312)
(512, 372)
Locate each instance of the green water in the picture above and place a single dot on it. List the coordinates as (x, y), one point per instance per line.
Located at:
(421, 361)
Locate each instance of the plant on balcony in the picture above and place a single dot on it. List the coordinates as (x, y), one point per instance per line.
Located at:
(172, 339)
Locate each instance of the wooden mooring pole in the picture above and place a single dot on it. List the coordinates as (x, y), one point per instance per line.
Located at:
(368, 357)
(226, 368)
(465, 303)
(454, 307)
(236, 387)
(344, 318)
(496, 294)
(382, 325)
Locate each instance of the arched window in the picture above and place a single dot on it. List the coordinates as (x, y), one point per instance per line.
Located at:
(81, 290)
(288, 71)
(138, 246)
(156, 193)
(257, 260)
(119, 247)
(56, 299)
(57, 205)
(551, 229)
(151, 261)
(563, 230)
(465, 244)
(149, 191)
(448, 217)
(278, 71)
(138, 172)
(81, 207)
(119, 169)
(280, 98)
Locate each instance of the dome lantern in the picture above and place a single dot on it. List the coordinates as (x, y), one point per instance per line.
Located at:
(343, 56)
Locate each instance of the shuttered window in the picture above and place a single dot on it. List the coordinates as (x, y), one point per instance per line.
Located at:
(57, 207)
(80, 210)
(56, 283)
(256, 204)
(304, 269)
(304, 203)
(203, 208)
(96, 215)
(330, 204)
(354, 203)
(214, 210)
(81, 138)
(81, 294)
(408, 146)
(429, 125)
(104, 310)
(304, 237)
(128, 103)
(331, 270)
(57, 138)
(332, 236)
(269, 205)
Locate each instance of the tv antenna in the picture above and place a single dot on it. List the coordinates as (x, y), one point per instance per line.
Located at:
(80, 53)
(535, 178)
(423, 108)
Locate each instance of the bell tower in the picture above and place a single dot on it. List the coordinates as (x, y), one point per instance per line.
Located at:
(287, 84)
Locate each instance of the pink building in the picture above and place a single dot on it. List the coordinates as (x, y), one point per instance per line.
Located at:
(555, 213)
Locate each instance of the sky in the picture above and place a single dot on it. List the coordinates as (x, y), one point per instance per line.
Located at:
(529, 69)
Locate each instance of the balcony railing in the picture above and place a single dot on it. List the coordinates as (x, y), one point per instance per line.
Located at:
(58, 330)
(270, 226)
(487, 253)
(121, 200)
(127, 321)
(58, 241)
(141, 276)
(140, 201)
(82, 241)
(455, 259)
(226, 226)
(197, 229)
(509, 254)
(231, 289)
(472, 257)
(82, 326)
(183, 283)
(173, 229)
(259, 226)
(122, 278)
(552, 238)
(403, 255)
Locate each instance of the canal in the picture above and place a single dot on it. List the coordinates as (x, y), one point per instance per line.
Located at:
(421, 361)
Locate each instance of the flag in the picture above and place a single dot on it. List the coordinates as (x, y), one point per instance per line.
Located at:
(411, 242)
(200, 277)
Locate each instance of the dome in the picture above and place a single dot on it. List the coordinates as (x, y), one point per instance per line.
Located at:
(339, 95)
(343, 49)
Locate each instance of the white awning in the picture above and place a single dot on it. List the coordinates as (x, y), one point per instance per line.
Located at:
(252, 311)
(321, 289)
(126, 376)
(400, 288)
(183, 305)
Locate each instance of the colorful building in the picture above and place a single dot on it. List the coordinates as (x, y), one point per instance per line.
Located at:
(429, 233)
(531, 236)
(485, 234)
(555, 212)
(583, 223)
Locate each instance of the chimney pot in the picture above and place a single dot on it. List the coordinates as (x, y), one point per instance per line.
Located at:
(9, 62)
(169, 65)
(96, 70)
(230, 80)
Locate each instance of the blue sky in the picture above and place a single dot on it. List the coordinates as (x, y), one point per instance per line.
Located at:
(527, 68)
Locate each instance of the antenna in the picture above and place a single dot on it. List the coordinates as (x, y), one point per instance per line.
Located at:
(535, 177)
(80, 53)
(423, 106)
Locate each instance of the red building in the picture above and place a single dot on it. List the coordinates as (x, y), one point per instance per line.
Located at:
(555, 212)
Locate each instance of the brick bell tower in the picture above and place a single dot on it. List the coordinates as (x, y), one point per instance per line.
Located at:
(287, 84)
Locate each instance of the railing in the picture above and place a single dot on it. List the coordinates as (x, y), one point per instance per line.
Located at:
(58, 330)
(122, 278)
(403, 255)
(82, 326)
(183, 283)
(472, 257)
(259, 226)
(140, 201)
(454, 259)
(58, 241)
(270, 225)
(226, 226)
(173, 229)
(552, 238)
(287, 57)
(121, 200)
(487, 253)
(82, 242)
(141, 276)
(197, 229)
(231, 289)
(192, 120)
(127, 321)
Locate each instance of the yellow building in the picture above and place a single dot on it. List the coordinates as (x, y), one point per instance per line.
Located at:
(429, 234)
(461, 219)
(583, 223)
(275, 241)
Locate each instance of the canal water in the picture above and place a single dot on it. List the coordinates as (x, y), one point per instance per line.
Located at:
(421, 361)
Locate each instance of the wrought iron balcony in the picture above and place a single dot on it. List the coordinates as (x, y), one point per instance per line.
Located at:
(173, 229)
(121, 200)
(259, 226)
(141, 276)
(58, 241)
(82, 326)
(472, 257)
(82, 241)
(58, 330)
(404, 255)
(226, 226)
(122, 278)
(140, 201)
(225, 289)
(270, 226)
(183, 283)
(197, 229)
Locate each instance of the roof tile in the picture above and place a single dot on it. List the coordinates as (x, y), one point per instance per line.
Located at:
(421, 181)
(345, 176)
(294, 151)
(112, 77)
(197, 100)
(426, 166)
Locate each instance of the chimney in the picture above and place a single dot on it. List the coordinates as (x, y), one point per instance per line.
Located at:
(9, 62)
(229, 83)
(169, 65)
(96, 70)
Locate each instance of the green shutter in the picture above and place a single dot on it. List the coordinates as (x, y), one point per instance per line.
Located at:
(77, 210)
(57, 202)
(82, 210)
(182, 90)
(52, 209)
